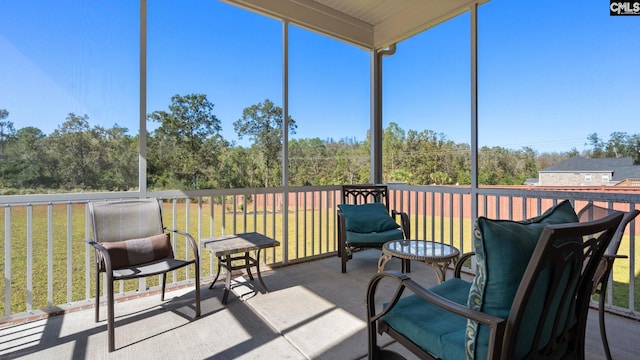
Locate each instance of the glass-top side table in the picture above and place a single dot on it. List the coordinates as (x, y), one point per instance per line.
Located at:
(437, 255)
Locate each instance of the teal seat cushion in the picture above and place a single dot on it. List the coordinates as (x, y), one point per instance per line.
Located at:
(375, 237)
(503, 250)
(367, 218)
(433, 329)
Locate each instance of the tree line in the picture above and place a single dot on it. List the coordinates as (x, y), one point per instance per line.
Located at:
(186, 151)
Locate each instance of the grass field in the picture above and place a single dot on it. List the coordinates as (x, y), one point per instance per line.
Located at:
(68, 229)
(310, 233)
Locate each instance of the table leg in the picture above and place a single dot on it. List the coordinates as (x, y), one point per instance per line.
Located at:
(406, 266)
(227, 280)
(258, 271)
(384, 259)
(440, 268)
(217, 273)
(247, 264)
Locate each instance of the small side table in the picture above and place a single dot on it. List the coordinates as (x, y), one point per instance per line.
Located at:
(438, 256)
(226, 246)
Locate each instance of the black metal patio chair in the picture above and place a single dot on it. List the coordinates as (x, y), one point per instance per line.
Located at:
(603, 273)
(529, 298)
(364, 221)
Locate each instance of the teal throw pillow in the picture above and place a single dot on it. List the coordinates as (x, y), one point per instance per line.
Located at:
(503, 250)
(367, 218)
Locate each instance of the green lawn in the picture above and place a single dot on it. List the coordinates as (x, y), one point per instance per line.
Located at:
(301, 233)
(268, 223)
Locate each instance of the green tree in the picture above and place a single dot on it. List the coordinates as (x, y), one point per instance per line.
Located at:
(214, 152)
(620, 144)
(182, 139)
(393, 141)
(547, 159)
(460, 158)
(7, 134)
(424, 154)
(634, 148)
(7, 131)
(74, 141)
(235, 170)
(263, 124)
(490, 169)
(522, 165)
(597, 144)
(350, 164)
(308, 162)
(440, 178)
(32, 164)
(502, 166)
(119, 160)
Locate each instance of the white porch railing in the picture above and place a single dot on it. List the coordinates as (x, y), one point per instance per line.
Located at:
(48, 267)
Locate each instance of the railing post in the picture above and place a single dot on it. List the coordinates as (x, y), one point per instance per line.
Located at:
(7, 260)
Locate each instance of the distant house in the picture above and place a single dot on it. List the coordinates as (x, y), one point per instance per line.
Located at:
(531, 181)
(581, 171)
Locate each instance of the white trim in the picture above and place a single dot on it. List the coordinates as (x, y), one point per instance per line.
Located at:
(142, 138)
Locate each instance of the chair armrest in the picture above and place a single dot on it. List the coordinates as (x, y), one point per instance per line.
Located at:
(101, 254)
(404, 222)
(340, 216)
(458, 268)
(497, 325)
(191, 240)
(601, 275)
(342, 223)
(342, 231)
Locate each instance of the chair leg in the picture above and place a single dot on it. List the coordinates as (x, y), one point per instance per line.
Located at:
(110, 315)
(603, 329)
(374, 349)
(197, 289)
(339, 236)
(345, 258)
(344, 254)
(97, 310)
(164, 285)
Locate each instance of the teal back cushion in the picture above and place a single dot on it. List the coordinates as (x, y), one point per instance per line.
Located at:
(368, 218)
(503, 250)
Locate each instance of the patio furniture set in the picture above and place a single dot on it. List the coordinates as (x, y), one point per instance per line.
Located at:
(528, 298)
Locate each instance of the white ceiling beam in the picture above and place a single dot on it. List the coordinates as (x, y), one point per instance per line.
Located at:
(314, 16)
(418, 17)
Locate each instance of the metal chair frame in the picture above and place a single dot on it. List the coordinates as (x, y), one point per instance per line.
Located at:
(566, 302)
(124, 225)
(363, 194)
(603, 273)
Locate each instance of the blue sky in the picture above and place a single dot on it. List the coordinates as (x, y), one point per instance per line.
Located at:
(550, 73)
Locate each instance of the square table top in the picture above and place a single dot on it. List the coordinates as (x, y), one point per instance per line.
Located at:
(237, 243)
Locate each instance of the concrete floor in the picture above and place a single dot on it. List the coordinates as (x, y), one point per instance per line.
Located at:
(311, 312)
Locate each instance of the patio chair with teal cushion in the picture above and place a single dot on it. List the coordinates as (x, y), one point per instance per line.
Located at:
(364, 221)
(590, 212)
(130, 242)
(529, 297)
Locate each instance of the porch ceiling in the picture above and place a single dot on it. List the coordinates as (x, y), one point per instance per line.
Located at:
(369, 24)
